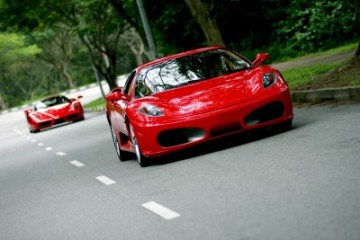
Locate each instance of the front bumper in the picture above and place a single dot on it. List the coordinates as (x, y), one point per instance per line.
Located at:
(179, 133)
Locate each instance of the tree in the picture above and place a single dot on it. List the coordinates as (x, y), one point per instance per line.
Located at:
(99, 27)
(315, 25)
(16, 69)
(357, 12)
(57, 48)
(97, 23)
(208, 24)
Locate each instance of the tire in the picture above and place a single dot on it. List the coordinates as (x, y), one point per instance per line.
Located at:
(122, 155)
(142, 160)
(80, 119)
(285, 126)
(33, 130)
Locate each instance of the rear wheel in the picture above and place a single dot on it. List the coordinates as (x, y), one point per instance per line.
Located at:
(142, 160)
(122, 155)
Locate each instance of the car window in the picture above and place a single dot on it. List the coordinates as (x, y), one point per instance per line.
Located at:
(189, 69)
(49, 102)
(128, 83)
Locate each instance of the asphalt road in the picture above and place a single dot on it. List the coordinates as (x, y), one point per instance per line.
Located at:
(309, 61)
(66, 183)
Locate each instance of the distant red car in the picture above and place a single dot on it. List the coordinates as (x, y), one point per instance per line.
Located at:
(54, 110)
(181, 100)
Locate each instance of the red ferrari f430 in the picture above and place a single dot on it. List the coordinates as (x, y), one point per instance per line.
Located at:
(188, 98)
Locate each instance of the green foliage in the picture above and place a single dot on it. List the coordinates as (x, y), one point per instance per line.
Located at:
(284, 28)
(13, 48)
(16, 68)
(173, 26)
(310, 26)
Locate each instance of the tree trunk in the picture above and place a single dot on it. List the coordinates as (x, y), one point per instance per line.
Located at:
(109, 73)
(206, 22)
(120, 9)
(2, 103)
(68, 78)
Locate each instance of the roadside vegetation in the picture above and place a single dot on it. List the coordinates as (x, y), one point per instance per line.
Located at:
(51, 46)
(96, 105)
(325, 75)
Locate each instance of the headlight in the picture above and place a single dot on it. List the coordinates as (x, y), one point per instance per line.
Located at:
(269, 79)
(150, 110)
(76, 105)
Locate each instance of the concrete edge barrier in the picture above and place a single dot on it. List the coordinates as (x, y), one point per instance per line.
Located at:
(343, 94)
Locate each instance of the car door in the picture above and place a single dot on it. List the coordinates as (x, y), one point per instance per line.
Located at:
(119, 105)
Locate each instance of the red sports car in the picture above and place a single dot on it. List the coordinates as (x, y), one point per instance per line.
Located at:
(181, 100)
(54, 110)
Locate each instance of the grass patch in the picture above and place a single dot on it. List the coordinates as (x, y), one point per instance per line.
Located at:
(301, 78)
(96, 104)
(345, 48)
(332, 75)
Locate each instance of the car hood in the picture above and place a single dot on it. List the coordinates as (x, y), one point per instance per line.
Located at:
(213, 94)
(53, 112)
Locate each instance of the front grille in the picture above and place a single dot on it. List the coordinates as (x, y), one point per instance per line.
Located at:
(45, 124)
(58, 121)
(72, 117)
(179, 136)
(225, 129)
(265, 113)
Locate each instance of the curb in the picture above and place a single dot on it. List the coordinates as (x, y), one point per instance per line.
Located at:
(343, 94)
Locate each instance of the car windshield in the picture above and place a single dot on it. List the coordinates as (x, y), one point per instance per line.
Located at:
(49, 102)
(186, 70)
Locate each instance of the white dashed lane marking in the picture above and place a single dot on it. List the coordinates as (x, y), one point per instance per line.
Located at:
(77, 163)
(154, 207)
(105, 180)
(160, 210)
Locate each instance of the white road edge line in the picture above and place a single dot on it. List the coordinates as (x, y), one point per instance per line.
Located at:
(105, 180)
(160, 210)
(77, 163)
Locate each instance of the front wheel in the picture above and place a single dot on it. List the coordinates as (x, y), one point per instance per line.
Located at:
(122, 155)
(142, 160)
(34, 130)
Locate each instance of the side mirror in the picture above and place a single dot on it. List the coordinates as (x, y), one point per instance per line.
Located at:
(27, 111)
(80, 96)
(114, 96)
(260, 58)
